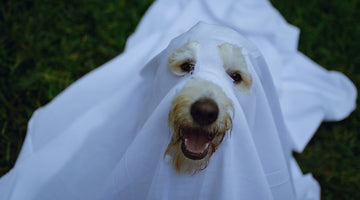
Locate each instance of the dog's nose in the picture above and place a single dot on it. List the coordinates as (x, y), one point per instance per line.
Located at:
(204, 111)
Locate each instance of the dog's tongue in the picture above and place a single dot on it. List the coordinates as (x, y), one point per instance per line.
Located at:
(196, 141)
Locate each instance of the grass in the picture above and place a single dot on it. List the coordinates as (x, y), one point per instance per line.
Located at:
(46, 45)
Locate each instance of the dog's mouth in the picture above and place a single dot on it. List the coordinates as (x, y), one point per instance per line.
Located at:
(196, 143)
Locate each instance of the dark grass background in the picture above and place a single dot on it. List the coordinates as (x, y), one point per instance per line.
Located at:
(45, 45)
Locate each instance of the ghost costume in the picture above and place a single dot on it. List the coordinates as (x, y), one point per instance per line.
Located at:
(105, 136)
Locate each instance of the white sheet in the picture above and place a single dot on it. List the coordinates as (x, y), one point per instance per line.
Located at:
(104, 137)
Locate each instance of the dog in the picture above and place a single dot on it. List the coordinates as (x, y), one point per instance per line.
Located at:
(202, 114)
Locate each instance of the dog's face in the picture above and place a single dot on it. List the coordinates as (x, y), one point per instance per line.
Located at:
(201, 114)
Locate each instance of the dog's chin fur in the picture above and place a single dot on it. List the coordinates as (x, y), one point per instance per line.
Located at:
(181, 163)
(180, 120)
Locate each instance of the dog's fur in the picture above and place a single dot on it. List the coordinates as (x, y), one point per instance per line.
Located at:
(180, 118)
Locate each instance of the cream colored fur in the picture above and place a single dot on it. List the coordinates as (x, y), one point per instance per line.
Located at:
(234, 61)
(186, 53)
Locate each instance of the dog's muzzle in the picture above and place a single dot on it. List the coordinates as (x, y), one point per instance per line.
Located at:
(196, 140)
(199, 118)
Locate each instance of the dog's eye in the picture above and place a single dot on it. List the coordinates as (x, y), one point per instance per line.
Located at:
(236, 76)
(187, 67)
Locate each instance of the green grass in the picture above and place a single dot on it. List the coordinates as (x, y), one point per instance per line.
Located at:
(46, 45)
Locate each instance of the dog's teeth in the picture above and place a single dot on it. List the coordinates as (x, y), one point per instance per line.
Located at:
(185, 141)
(207, 145)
